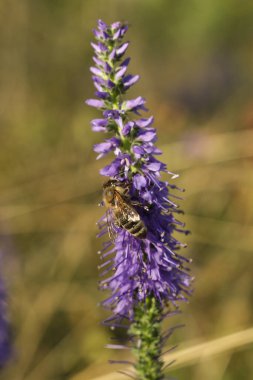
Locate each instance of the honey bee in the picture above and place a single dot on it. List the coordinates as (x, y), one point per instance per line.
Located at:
(120, 210)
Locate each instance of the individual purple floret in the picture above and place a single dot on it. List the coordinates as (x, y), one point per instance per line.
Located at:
(137, 271)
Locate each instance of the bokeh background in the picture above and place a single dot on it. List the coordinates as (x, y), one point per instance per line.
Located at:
(195, 59)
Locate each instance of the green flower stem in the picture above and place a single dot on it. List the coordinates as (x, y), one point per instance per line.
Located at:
(146, 329)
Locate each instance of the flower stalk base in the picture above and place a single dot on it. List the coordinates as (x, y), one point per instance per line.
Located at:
(146, 331)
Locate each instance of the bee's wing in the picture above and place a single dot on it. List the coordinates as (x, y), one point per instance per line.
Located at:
(111, 224)
(128, 212)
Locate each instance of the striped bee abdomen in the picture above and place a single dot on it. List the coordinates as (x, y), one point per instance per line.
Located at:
(136, 228)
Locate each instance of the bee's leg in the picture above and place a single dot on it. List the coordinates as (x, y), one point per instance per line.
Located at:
(109, 228)
(124, 189)
(116, 223)
(138, 204)
(135, 203)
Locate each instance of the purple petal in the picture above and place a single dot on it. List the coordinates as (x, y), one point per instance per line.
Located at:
(99, 122)
(98, 34)
(145, 122)
(95, 47)
(119, 122)
(98, 80)
(98, 61)
(111, 114)
(102, 25)
(120, 73)
(127, 128)
(149, 148)
(98, 129)
(138, 150)
(102, 147)
(98, 86)
(112, 55)
(99, 48)
(115, 25)
(147, 196)
(99, 125)
(120, 32)
(129, 80)
(102, 94)
(139, 181)
(116, 35)
(147, 136)
(112, 169)
(96, 71)
(121, 50)
(95, 103)
(133, 104)
(106, 146)
(110, 84)
(108, 68)
(123, 30)
(156, 150)
(154, 166)
(125, 63)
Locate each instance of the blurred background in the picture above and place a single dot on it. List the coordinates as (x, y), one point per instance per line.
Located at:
(195, 60)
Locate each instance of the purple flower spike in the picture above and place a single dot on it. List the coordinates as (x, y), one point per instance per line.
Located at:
(143, 273)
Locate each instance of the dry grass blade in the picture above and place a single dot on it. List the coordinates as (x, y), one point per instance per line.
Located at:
(193, 354)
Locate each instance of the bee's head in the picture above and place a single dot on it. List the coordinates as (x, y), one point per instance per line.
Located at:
(109, 194)
(115, 186)
(110, 183)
